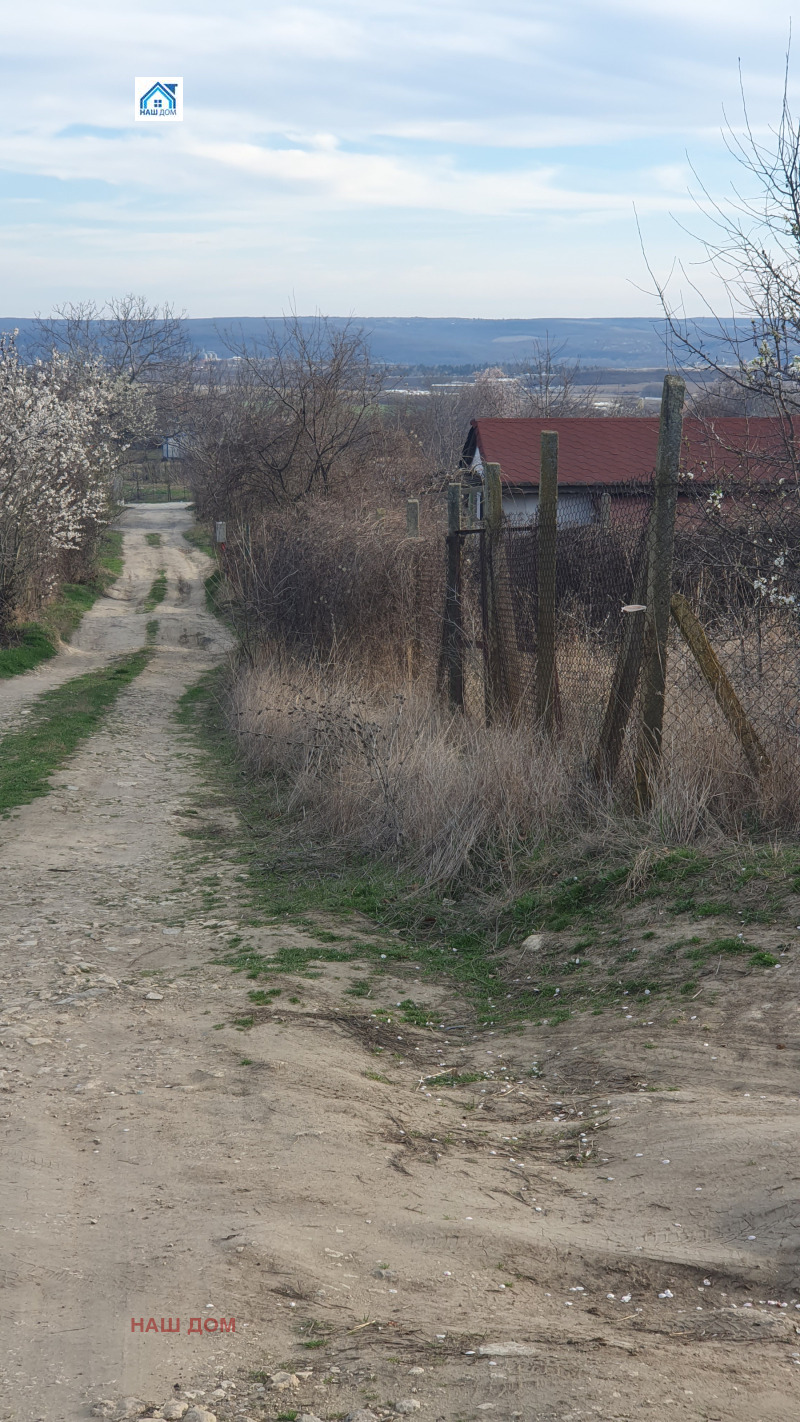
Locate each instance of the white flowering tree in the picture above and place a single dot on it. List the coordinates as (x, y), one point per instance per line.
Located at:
(62, 432)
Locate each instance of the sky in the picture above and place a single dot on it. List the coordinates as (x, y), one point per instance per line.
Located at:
(391, 157)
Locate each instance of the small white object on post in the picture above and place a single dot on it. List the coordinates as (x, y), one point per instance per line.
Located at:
(219, 532)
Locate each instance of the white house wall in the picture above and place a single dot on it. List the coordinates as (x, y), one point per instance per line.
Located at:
(575, 507)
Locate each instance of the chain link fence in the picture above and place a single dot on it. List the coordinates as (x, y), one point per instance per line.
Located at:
(731, 711)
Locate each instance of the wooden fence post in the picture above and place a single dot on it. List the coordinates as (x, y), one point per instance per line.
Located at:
(413, 647)
(492, 649)
(501, 673)
(472, 506)
(547, 710)
(624, 681)
(453, 630)
(731, 707)
(659, 589)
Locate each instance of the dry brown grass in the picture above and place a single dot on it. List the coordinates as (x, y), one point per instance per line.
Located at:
(389, 772)
(331, 599)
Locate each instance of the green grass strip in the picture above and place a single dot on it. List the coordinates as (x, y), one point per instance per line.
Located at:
(61, 719)
(38, 641)
(158, 591)
(154, 539)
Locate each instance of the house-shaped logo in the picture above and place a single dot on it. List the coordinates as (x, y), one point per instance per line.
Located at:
(158, 99)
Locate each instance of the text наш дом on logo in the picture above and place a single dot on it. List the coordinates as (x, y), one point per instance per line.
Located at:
(157, 99)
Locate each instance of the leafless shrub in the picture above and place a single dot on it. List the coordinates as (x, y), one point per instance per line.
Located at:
(333, 582)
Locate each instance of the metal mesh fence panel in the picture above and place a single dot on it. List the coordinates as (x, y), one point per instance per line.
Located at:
(596, 576)
(737, 561)
(737, 564)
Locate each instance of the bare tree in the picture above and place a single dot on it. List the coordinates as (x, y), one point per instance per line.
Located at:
(753, 350)
(130, 336)
(288, 417)
(552, 385)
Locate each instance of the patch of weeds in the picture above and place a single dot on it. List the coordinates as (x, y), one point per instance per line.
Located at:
(199, 537)
(151, 632)
(717, 946)
(646, 937)
(60, 720)
(418, 1016)
(764, 960)
(246, 1061)
(157, 593)
(458, 1078)
(688, 987)
(243, 1023)
(154, 539)
(678, 866)
(263, 996)
(377, 1076)
(641, 987)
(215, 602)
(709, 910)
(559, 906)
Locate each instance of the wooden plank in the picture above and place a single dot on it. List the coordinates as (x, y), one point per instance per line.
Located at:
(731, 707)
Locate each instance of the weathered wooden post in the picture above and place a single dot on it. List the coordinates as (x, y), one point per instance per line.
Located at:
(731, 707)
(501, 675)
(453, 629)
(472, 506)
(547, 534)
(492, 650)
(413, 648)
(659, 589)
(624, 681)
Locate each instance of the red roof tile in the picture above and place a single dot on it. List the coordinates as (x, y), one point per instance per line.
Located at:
(619, 450)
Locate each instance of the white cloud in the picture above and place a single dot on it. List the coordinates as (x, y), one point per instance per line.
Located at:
(431, 125)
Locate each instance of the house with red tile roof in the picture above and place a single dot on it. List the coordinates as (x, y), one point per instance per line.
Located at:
(610, 456)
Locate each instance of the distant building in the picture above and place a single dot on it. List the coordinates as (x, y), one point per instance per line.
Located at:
(173, 447)
(611, 456)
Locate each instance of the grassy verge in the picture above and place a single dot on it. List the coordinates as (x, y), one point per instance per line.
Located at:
(612, 921)
(60, 720)
(199, 537)
(153, 539)
(38, 641)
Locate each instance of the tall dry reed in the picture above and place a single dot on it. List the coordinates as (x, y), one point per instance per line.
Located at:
(391, 773)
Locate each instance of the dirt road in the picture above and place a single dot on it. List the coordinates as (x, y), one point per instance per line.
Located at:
(598, 1220)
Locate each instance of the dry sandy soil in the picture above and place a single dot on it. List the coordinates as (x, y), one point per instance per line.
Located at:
(458, 1252)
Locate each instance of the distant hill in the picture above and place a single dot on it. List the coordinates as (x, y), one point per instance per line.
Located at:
(631, 342)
